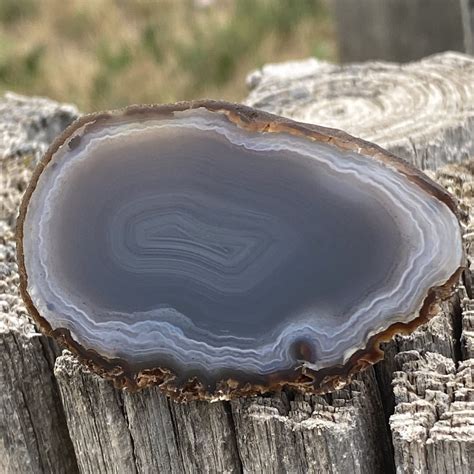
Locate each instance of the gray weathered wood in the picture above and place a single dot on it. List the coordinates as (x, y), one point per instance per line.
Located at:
(344, 432)
(432, 426)
(152, 453)
(115, 432)
(206, 437)
(97, 425)
(34, 435)
(397, 30)
(433, 423)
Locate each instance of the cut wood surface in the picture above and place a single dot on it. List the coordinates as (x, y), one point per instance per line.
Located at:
(422, 111)
(414, 412)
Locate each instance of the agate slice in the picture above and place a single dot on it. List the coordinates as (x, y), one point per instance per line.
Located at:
(219, 251)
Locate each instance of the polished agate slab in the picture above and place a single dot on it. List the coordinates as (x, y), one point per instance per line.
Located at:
(218, 250)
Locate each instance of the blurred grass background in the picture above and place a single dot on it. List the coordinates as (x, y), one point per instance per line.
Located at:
(103, 54)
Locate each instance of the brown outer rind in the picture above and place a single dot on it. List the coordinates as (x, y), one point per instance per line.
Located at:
(302, 378)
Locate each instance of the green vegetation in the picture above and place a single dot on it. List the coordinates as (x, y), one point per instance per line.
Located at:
(109, 53)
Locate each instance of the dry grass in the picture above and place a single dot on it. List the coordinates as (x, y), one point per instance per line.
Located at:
(108, 53)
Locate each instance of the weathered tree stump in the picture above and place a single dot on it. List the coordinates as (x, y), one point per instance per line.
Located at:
(414, 412)
(34, 434)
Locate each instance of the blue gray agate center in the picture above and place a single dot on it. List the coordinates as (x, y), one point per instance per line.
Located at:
(190, 242)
